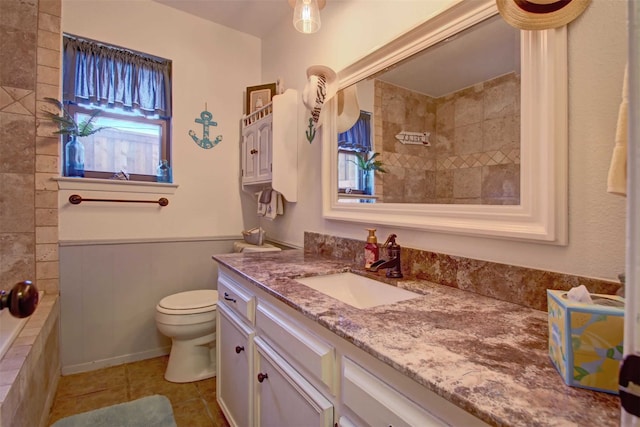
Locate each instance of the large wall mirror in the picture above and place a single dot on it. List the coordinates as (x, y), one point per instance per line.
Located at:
(467, 118)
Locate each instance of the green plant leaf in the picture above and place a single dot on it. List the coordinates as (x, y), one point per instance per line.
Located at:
(367, 163)
(67, 124)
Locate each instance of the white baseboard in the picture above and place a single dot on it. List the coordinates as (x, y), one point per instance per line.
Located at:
(115, 361)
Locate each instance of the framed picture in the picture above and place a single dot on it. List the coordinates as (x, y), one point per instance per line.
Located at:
(259, 96)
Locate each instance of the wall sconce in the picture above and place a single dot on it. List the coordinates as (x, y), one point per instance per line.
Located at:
(306, 14)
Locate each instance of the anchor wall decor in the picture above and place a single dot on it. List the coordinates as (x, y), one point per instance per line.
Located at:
(311, 133)
(205, 120)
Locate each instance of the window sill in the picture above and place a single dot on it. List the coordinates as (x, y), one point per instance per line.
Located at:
(114, 185)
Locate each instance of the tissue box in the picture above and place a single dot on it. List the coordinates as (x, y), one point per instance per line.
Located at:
(585, 340)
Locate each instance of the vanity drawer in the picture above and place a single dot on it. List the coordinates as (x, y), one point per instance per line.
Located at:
(235, 296)
(378, 404)
(308, 350)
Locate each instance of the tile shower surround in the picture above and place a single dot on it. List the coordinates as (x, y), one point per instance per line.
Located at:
(474, 155)
(519, 285)
(30, 371)
(29, 71)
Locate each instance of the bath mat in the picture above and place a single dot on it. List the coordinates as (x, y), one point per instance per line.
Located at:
(149, 411)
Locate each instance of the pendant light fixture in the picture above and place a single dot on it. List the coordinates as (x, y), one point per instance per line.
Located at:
(306, 15)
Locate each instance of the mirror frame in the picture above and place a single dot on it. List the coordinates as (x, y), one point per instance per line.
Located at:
(542, 213)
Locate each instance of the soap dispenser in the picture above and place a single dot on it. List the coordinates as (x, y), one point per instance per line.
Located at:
(371, 250)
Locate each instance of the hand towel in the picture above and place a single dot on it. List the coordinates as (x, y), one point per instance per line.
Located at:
(275, 207)
(617, 178)
(262, 208)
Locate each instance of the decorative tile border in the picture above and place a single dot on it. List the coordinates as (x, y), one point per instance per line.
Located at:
(519, 285)
(474, 160)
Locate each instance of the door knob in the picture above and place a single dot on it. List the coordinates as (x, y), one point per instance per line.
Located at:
(239, 349)
(262, 377)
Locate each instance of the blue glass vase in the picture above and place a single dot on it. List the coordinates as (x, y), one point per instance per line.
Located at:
(164, 172)
(367, 177)
(74, 158)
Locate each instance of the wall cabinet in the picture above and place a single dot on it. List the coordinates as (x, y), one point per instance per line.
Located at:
(269, 146)
(256, 152)
(295, 372)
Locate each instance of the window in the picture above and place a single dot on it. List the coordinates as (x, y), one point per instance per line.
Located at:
(133, 93)
(350, 143)
(348, 174)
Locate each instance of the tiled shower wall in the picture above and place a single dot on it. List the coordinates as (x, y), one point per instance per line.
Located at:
(29, 70)
(475, 144)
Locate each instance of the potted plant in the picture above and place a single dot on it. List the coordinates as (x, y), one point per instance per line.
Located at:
(67, 125)
(367, 163)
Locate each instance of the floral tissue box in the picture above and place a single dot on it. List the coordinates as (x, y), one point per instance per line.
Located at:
(585, 340)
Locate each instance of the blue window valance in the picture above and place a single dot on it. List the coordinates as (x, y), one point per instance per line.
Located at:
(105, 75)
(358, 138)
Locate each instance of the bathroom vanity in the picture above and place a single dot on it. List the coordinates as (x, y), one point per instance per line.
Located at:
(292, 355)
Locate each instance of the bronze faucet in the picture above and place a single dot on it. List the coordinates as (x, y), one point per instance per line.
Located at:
(392, 263)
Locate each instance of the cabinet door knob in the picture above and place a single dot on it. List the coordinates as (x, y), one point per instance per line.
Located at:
(239, 349)
(253, 151)
(228, 298)
(262, 377)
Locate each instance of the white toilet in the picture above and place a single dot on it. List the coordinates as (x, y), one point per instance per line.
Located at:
(189, 319)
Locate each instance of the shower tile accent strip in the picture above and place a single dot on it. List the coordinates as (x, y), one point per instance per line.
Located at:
(519, 285)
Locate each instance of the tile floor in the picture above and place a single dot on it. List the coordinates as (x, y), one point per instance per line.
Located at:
(194, 404)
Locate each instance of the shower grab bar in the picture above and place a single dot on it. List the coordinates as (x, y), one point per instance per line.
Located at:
(75, 199)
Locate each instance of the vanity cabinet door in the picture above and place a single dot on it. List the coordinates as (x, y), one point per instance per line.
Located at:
(234, 352)
(283, 397)
(378, 404)
(301, 347)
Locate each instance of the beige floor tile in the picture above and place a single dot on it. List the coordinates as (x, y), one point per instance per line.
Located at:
(219, 419)
(194, 404)
(207, 389)
(192, 413)
(174, 391)
(145, 369)
(66, 406)
(89, 382)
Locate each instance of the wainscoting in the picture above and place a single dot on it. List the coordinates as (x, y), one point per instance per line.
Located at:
(109, 291)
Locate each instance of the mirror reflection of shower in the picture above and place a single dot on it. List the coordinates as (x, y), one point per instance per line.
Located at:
(465, 93)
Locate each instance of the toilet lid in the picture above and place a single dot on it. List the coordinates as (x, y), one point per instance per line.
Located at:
(198, 301)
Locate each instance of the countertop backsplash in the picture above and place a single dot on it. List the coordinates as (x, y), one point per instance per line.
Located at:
(519, 285)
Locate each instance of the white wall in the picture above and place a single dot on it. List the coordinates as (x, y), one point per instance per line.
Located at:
(597, 56)
(110, 290)
(212, 64)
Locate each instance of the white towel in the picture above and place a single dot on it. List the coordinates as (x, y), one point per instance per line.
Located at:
(275, 207)
(262, 207)
(617, 178)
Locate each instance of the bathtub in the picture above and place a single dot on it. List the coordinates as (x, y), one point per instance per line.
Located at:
(30, 365)
(10, 327)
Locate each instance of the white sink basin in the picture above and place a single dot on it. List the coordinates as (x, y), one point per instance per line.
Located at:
(357, 291)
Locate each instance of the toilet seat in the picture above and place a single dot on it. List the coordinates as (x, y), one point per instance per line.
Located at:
(189, 302)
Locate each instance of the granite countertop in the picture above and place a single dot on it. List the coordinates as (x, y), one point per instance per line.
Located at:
(487, 356)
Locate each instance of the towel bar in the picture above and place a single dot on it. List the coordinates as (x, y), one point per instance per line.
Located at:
(75, 199)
